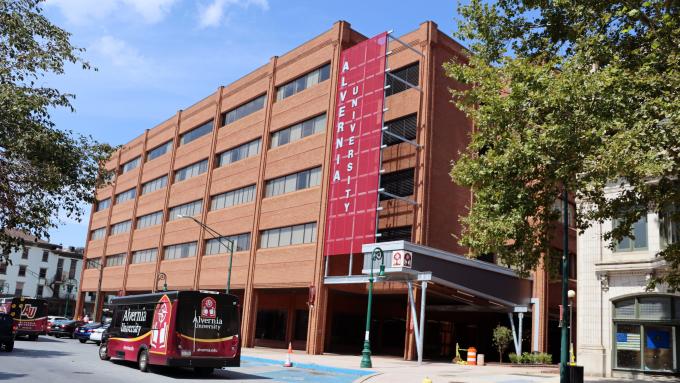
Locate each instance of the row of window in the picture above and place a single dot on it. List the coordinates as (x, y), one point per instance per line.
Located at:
(400, 183)
(278, 237)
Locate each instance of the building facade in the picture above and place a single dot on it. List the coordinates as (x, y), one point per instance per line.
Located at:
(624, 329)
(251, 162)
(43, 270)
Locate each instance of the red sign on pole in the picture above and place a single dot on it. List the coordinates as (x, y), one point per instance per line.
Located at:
(357, 133)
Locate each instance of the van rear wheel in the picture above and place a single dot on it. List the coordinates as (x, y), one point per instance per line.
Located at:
(143, 361)
(203, 371)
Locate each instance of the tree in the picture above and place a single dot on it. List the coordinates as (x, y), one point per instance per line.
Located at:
(502, 336)
(44, 171)
(579, 95)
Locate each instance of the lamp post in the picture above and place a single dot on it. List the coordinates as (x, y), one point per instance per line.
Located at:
(564, 371)
(221, 239)
(376, 255)
(69, 283)
(162, 277)
(571, 294)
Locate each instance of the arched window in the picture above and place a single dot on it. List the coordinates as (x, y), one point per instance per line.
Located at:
(647, 333)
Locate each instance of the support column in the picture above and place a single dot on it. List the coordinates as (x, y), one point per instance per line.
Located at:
(539, 323)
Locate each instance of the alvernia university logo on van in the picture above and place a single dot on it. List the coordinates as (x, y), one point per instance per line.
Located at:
(208, 308)
(28, 311)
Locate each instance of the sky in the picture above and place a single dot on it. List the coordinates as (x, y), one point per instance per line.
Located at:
(154, 57)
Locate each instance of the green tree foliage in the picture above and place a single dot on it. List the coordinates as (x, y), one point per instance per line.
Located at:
(579, 93)
(44, 171)
(502, 336)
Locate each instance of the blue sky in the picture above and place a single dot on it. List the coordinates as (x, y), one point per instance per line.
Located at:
(157, 56)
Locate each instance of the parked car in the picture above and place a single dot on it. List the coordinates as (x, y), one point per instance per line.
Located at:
(64, 328)
(8, 331)
(51, 319)
(98, 334)
(83, 333)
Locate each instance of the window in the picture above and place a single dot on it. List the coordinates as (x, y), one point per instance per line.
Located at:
(303, 82)
(196, 133)
(188, 209)
(152, 219)
(646, 331)
(639, 230)
(405, 127)
(158, 151)
(399, 183)
(92, 263)
(97, 234)
(155, 184)
(126, 167)
(290, 235)
(115, 260)
(19, 289)
(144, 256)
(292, 182)
(409, 74)
(39, 292)
(126, 195)
(238, 153)
(192, 170)
(60, 269)
(103, 204)
(3, 269)
(42, 273)
(182, 250)
(558, 206)
(669, 226)
(241, 243)
(24, 253)
(395, 234)
(72, 269)
(22, 271)
(232, 198)
(120, 227)
(298, 131)
(246, 109)
(46, 255)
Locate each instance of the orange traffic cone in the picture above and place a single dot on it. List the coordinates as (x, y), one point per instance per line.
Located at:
(288, 362)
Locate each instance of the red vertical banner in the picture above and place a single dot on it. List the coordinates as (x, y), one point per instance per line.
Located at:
(357, 136)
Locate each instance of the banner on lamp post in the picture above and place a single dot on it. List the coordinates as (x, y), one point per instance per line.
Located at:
(357, 137)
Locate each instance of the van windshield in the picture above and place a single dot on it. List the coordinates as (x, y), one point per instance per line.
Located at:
(207, 316)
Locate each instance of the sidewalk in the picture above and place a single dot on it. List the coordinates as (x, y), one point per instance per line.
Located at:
(397, 370)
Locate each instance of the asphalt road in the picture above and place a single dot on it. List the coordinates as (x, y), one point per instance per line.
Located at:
(51, 360)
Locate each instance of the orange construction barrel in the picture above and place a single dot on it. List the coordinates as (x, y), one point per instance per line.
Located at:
(472, 356)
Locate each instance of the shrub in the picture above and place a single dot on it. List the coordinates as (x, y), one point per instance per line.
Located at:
(514, 358)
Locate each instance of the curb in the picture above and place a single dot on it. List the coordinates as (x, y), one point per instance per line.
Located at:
(314, 366)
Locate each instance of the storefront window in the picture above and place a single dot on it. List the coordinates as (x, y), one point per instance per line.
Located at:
(646, 333)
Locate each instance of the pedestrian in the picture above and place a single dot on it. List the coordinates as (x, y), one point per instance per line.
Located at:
(86, 319)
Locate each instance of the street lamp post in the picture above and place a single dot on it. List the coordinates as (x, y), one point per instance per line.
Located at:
(376, 255)
(162, 277)
(564, 371)
(69, 283)
(229, 244)
(571, 294)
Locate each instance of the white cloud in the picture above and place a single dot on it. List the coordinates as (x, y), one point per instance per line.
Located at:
(118, 53)
(87, 11)
(211, 15)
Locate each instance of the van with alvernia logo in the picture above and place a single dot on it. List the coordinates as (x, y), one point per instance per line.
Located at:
(175, 328)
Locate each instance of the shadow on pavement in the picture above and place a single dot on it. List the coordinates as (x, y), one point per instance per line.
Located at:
(187, 373)
(22, 352)
(8, 376)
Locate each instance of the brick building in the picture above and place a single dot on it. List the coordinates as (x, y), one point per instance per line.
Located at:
(251, 160)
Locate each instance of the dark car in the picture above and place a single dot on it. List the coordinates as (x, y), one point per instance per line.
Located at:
(83, 333)
(64, 328)
(8, 331)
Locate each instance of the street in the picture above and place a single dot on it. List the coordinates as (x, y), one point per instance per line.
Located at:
(65, 360)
